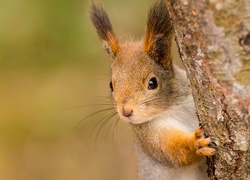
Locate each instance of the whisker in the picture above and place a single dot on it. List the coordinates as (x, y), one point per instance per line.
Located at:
(115, 128)
(106, 120)
(156, 98)
(113, 123)
(100, 121)
(103, 97)
(92, 115)
(184, 111)
(88, 105)
(150, 99)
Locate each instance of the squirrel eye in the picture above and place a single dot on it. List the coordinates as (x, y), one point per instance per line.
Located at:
(152, 84)
(111, 86)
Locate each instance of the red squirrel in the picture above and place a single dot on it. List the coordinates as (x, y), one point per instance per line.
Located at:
(154, 96)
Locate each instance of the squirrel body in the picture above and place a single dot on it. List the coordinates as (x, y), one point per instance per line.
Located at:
(165, 167)
(154, 96)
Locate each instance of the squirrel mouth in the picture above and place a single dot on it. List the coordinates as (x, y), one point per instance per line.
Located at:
(132, 117)
(136, 120)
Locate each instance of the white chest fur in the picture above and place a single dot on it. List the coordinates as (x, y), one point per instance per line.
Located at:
(180, 116)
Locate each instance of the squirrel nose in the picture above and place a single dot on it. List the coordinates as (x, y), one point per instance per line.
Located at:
(127, 112)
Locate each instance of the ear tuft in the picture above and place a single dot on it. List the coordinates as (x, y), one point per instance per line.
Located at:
(100, 20)
(159, 33)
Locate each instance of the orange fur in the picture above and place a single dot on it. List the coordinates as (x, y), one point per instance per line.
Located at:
(186, 148)
(113, 43)
(148, 41)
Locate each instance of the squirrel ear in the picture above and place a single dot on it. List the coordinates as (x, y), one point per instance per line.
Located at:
(100, 19)
(159, 33)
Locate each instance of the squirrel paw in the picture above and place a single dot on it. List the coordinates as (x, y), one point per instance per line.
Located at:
(201, 144)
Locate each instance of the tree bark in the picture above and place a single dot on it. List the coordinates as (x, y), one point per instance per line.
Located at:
(213, 37)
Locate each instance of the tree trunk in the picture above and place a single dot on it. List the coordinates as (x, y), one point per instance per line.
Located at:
(213, 37)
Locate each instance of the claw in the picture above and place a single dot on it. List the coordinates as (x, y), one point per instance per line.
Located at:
(201, 144)
(206, 151)
(201, 126)
(199, 133)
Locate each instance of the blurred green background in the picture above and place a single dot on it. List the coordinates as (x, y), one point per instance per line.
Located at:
(53, 73)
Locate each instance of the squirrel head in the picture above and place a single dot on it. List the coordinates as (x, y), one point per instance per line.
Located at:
(143, 82)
